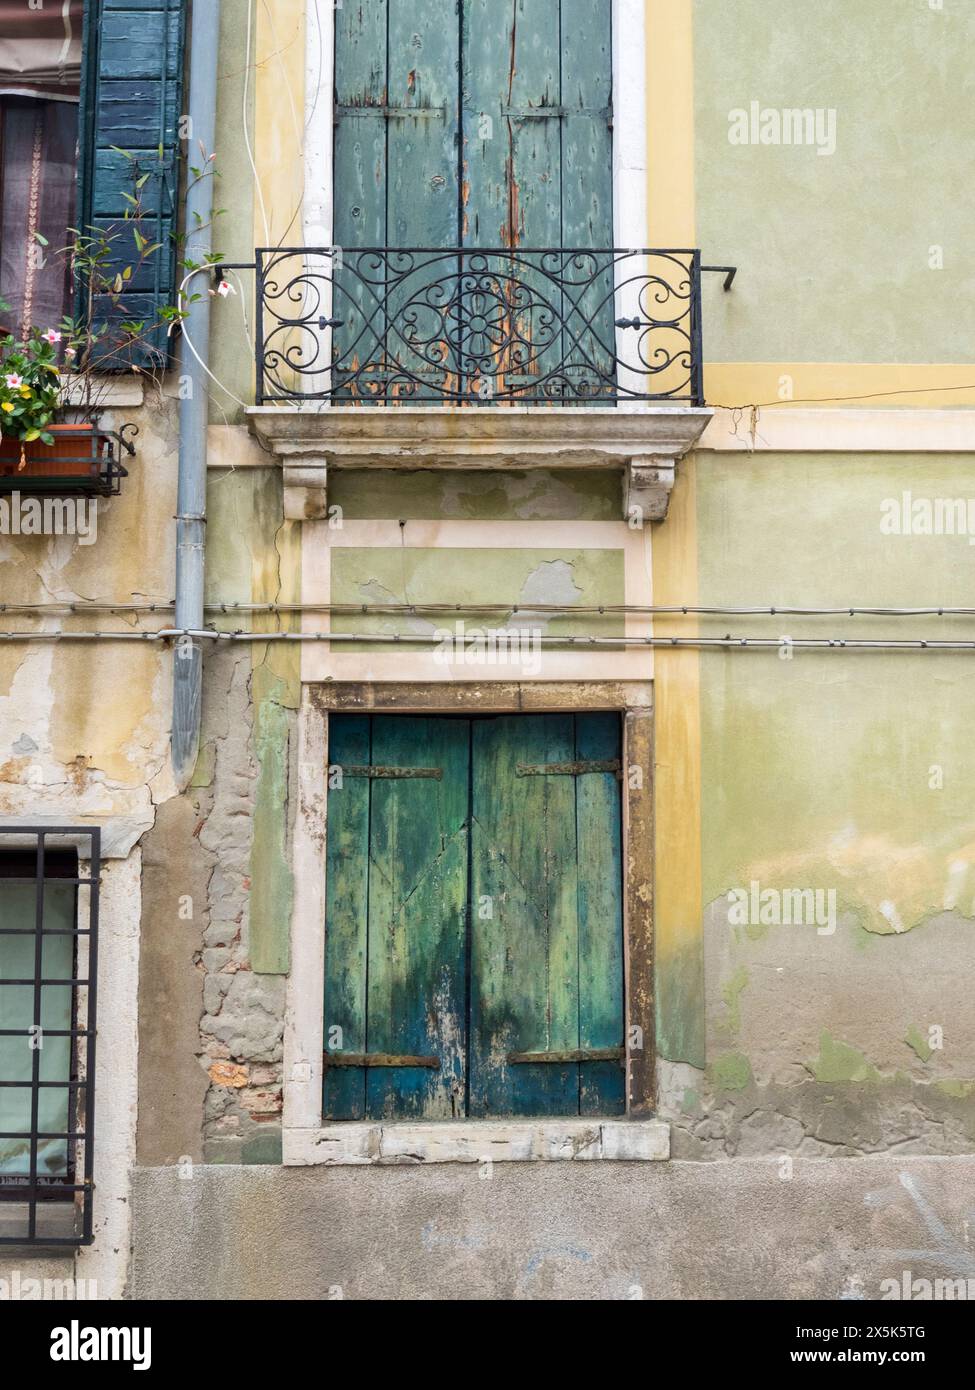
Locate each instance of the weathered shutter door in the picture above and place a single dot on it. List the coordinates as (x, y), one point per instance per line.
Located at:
(539, 173)
(396, 902)
(546, 950)
(395, 183)
(131, 100)
(474, 123)
(473, 915)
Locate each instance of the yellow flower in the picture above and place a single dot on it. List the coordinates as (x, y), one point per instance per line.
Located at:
(25, 392)
(7, 407)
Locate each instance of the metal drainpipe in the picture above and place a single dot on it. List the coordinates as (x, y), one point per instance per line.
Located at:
(193, 410)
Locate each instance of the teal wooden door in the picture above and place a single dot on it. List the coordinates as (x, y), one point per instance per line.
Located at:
(547, 939)
(396, 900)
(471, 124)
(473, 960)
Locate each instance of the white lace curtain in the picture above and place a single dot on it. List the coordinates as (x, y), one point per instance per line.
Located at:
(40, 74)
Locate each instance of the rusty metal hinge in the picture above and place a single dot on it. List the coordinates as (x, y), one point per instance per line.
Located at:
(574, 1054)
(578, 769)
(394, 773)
(395, 113)
(544, 113)
(379, 1059)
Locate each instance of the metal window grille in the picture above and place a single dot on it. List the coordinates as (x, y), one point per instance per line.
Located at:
(48, 944)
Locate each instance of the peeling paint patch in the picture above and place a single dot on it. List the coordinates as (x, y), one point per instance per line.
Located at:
(553, 581)
(272, 886)
(691, 1102)
(916, 1040)
(732, 1071)
(957, 1090)
(838, 1061)
(731, 994)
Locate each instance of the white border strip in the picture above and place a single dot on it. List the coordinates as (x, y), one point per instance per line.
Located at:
(409, 663)
(784, 429)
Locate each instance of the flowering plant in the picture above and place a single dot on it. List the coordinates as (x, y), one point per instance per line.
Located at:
(29, 385)
(64, 369)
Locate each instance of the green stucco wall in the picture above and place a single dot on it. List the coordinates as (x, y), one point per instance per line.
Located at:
(834, 249)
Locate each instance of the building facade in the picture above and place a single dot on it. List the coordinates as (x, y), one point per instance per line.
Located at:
(523, 806)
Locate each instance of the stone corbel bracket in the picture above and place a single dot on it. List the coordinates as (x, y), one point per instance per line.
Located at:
(644, 444)
(305, 487)
(647, 485)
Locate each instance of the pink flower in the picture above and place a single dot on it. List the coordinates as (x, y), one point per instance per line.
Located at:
(51, 336)
(14, 381)
(69, 353)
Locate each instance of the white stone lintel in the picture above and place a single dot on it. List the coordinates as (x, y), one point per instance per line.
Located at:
(477, 1141)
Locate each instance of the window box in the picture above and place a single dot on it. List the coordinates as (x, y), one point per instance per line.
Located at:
(83, 458)
(73, 453)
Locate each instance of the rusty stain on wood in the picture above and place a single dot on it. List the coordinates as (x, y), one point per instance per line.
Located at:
(379, 1059)
(577, 1054)
(577, 769)
(393, 773)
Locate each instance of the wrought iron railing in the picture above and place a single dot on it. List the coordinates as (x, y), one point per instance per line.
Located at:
(384, 326)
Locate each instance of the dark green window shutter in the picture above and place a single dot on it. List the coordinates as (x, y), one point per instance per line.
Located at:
(474, 917)
(131, 100)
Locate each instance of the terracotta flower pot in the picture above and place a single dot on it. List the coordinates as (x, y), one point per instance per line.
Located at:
(74, 454)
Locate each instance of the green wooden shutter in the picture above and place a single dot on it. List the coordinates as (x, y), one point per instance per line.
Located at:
(131, 100)
(510, 146)
(473, 913)
(547, 924)
(396, 895)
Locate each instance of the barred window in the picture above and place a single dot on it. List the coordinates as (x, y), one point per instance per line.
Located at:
(48, 963)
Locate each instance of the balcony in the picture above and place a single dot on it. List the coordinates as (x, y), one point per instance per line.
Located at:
(435, 358)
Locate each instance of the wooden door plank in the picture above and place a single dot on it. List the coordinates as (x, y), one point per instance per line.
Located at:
(524, 939)
(512, 179)
(512, 165)
(599, 836)
(587, 185)
(360, 167)
(587, 141)
(360, 176)
(424, 38)
(417, 918)
(346, 915)
(423, 197)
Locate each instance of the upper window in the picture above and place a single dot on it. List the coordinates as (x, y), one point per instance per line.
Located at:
(473, 163)
(48, 920)
(40, 86)
(474, 124)
(90, 99)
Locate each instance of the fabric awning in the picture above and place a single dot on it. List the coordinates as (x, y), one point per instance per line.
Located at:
(40, 49)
